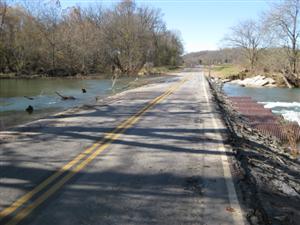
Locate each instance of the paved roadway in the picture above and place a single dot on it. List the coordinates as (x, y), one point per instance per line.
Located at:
(165, 165)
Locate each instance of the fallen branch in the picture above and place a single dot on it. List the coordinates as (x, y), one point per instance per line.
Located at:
(65, 97)
(30, 98)
(286, 81)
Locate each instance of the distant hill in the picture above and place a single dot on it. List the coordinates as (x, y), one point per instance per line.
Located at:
(212, 57)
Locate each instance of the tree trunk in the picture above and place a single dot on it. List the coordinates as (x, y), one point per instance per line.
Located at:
(53, 57)
(252, 62)
(294, 55)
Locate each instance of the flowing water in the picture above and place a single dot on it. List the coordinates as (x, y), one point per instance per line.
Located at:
(283, 101)
(45, 101)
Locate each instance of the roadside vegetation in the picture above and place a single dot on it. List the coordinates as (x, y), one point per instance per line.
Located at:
(224, 71)
(268, 46)
(40, 37)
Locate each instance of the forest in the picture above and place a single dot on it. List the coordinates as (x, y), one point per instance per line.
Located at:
(41, 37)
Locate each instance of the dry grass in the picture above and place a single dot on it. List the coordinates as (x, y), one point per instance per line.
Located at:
(224, 71)
(160, 70)
(292, 138)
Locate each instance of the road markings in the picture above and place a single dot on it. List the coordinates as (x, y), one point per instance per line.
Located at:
(76, 165)
(233, 200)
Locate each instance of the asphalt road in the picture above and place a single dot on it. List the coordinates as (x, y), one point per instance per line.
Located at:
(166, 164)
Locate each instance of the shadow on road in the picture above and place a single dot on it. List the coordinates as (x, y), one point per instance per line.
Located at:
(33, 145)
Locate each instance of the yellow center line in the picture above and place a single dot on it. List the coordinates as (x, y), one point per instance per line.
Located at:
(89, 154)
(18, 203)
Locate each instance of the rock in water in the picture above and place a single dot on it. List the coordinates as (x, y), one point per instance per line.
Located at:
(29, 109)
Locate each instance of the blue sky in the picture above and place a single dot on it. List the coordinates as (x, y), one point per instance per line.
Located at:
(202, 23)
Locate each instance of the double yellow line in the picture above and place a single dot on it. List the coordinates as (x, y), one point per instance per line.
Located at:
(22, 207)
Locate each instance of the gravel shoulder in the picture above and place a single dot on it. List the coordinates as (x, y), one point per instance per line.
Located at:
(268, 178)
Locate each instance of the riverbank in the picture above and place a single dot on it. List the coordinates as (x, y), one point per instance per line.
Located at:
(240, 76)
(97, 76)
(45, 76)
(156, 71)
(269, 175)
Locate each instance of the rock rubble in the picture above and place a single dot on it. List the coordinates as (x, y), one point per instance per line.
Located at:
(268, 177)
(257, 81)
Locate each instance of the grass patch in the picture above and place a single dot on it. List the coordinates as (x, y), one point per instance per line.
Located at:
(160, 70)
(225, 71)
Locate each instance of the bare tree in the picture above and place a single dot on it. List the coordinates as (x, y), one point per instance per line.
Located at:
(169, 49)
(3, 11)
(283, 20)
(129, 32)
(48, 21)
(121, 33)
(247, 36)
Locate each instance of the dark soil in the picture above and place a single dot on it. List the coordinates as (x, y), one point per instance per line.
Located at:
(268, 177)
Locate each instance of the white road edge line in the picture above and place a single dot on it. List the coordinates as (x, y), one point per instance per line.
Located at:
(234, 202)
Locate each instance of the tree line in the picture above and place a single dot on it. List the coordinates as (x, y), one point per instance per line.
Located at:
(267, 45)
(40, 37)
(213, 57)
(272, 42)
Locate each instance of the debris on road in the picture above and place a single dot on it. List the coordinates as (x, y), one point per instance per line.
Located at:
(229, 209)
(194, 184)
